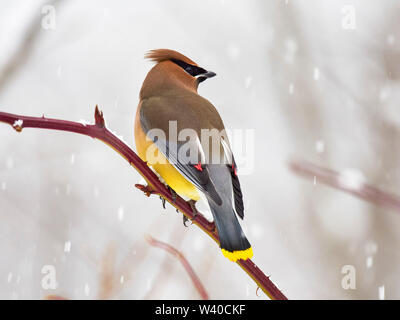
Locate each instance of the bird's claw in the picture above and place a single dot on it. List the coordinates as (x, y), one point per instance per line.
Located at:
(194, 211)
(162, 201)
(185, 220)
(173, 197)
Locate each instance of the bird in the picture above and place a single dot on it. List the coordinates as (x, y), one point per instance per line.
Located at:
(170, 124)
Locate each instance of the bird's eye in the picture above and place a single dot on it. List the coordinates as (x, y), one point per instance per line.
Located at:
(190, 69)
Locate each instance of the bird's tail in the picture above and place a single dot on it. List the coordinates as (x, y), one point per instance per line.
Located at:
(233, 242)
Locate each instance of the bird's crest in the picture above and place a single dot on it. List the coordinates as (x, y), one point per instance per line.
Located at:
(159, 55)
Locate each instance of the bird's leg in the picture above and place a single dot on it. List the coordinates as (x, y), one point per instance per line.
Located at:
(192, 204)
(173, 194)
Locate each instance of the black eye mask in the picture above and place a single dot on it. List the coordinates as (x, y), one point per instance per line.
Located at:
(189, 68)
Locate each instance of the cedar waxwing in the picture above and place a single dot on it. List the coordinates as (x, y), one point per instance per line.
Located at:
(169, 96)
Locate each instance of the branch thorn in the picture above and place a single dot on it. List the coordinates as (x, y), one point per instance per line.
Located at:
(148, 190)
(99, 118)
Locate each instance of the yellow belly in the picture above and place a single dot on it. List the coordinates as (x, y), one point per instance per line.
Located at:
(175, 180)
(147, 151)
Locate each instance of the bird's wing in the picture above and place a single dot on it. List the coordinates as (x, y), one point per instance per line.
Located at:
(159, 115)
(237, 191)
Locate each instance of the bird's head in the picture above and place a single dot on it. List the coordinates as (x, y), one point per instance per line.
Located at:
(194, 70)
(177, 68)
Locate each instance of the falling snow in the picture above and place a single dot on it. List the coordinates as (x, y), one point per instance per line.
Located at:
(18, 123)
(198, 244)
(256, 230)
(316, 74)
(370, 261)
(291, 88)
(87, 289)
(382, 292)
(149, 283)
(72, 159)
(291, 49)
(247, 82)
(351, 179)
(319, 146)
(371, 248)
(120, 213)
(67, 246)
(384, 93)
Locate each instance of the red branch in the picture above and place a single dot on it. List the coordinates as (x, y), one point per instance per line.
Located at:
(193, 276)
(336, 180)
(100, 132)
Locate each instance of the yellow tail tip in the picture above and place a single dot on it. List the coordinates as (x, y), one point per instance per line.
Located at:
(236, 255)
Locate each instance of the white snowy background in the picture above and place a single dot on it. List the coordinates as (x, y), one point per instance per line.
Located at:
(309, 86)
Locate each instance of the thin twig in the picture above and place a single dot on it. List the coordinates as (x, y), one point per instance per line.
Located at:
(177, 254)
(107, 274)
(159, 280)
(155, 186)
(337, 180)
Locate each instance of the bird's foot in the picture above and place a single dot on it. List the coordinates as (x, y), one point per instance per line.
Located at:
(192, 204)
(163, 201)
(173, 196)
(185, 220)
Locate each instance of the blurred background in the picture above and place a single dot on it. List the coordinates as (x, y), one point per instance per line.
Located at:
(317, 81)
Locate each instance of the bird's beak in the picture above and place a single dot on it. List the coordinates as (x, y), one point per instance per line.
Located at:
(209, 74)
(206, 75)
